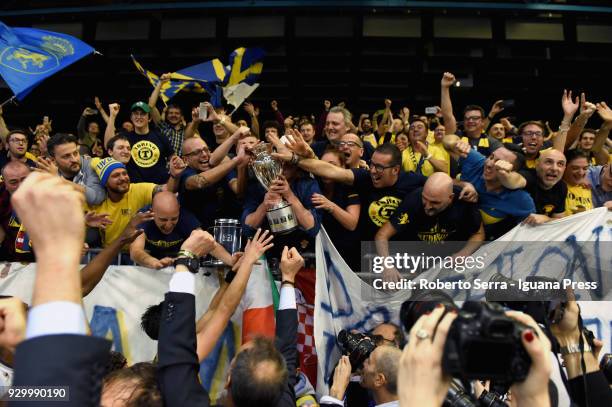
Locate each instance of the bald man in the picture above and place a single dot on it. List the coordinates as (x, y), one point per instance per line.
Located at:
(434, 214)
(162, 238)
(545, 188)
(379, 375)
(352, 147)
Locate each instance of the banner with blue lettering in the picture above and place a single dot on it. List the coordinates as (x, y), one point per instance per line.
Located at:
(28, 56)
(344, 301)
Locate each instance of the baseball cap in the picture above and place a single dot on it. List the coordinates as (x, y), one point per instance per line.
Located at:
(142, 106)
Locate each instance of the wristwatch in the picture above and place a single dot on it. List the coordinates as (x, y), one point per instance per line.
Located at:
(189, 260)
(574, 348)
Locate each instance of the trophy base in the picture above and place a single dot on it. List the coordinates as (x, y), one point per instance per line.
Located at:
(281, 219)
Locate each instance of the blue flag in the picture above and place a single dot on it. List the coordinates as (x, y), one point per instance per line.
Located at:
(245, 65)
(28, 56)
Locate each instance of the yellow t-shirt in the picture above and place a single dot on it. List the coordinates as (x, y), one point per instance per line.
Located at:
(440, 153)
(411, 160)
(139, 195)
(578, 199)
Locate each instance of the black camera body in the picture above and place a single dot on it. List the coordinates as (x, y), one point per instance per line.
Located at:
(357, 346)
(483, 343)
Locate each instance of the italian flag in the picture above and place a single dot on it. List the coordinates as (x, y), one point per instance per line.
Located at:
(259, 303)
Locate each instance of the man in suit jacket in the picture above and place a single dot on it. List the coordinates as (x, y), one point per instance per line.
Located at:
(269, 380)
(51, 210)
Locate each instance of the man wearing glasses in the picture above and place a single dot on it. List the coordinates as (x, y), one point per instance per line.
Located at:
(17, 146)
(352, 147)
(532, 133)
(205, 190)
(381, 188)
(473, 131)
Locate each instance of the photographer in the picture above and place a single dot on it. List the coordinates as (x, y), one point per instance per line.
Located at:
(379, 375)
(422, 382)
(587, 383)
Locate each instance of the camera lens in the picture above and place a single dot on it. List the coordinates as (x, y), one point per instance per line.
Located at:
(421, 303)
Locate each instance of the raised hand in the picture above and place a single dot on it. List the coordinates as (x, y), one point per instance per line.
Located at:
(256, 247)
(113, 109)
(250, 109)
(448, 80)
(604, 112)
(388, 103)
(291, 263)
(327, 104)
(497, 107)
(274, 105)
(569, 107)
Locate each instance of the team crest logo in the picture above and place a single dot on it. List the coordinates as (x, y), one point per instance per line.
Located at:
(145, 154)
(380, 211)
(403, 219)
(46, 58)
(548, 209)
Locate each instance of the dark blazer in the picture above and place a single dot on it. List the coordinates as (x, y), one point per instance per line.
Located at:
(286, 343)
(177, 369)
(74, 361)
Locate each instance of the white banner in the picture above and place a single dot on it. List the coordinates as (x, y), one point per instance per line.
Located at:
(344, 301)
(116, 304)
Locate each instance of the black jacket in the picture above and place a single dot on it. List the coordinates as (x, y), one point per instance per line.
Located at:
(178, 365)
(76, 362)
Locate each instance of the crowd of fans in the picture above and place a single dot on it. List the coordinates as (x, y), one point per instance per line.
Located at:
(151, 187)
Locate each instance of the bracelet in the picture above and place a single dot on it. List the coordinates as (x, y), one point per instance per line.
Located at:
(186, 253)
(291, 283)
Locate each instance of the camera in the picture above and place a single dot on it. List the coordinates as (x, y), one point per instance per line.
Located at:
(358, 347)
(457, 397)
(544, 305)
(482, 343)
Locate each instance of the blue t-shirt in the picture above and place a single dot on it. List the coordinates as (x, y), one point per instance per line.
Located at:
(160, 245)
(213, 202)
(500, 211)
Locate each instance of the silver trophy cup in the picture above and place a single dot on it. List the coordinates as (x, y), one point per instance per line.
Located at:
(228, 233)
(267, 169)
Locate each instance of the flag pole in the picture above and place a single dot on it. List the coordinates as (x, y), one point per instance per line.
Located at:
(10, 100)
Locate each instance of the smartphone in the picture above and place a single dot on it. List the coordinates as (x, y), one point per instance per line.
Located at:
(431, 110)
(285, 139)
(203, 111)
(508, 103)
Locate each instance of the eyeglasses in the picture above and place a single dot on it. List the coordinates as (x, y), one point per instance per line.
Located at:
(533, 133)
(350, 144)
(380, 339)
(380, 167)
(473, 118)
(197, 152)
(18, 141)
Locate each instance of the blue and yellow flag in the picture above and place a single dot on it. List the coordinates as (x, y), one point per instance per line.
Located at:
(211, 76)
(245, 66)
(28, 56)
